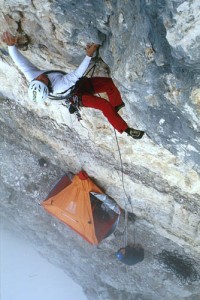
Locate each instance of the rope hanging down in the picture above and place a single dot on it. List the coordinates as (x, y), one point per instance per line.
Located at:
(128, 200)
(122, 171)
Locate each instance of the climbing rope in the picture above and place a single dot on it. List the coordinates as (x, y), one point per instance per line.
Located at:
(125, 228)
(127, 198)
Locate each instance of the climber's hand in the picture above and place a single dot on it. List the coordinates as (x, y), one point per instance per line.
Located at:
(9, 39)
(91, 48)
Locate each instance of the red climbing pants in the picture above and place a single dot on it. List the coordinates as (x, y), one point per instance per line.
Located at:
(97, 85)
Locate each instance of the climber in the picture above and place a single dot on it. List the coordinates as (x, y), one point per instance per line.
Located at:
(131, 254)
(45, 83)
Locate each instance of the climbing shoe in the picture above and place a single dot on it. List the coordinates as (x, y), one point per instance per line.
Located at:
(117, 108)
(134, 133)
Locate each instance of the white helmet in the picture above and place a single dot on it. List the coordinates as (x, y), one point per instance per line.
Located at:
(38, 91)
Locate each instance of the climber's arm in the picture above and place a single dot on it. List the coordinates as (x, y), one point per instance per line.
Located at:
(90, 50)
(21, 61)
(82, 67)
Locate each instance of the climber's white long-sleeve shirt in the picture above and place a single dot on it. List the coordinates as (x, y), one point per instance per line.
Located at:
(59, 82)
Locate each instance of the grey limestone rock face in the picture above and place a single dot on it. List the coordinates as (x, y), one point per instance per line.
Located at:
(151, 50)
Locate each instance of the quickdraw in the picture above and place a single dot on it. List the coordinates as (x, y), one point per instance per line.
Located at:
(73, 104)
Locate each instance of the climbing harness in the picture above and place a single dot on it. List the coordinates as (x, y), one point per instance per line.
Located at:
(72, 96)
